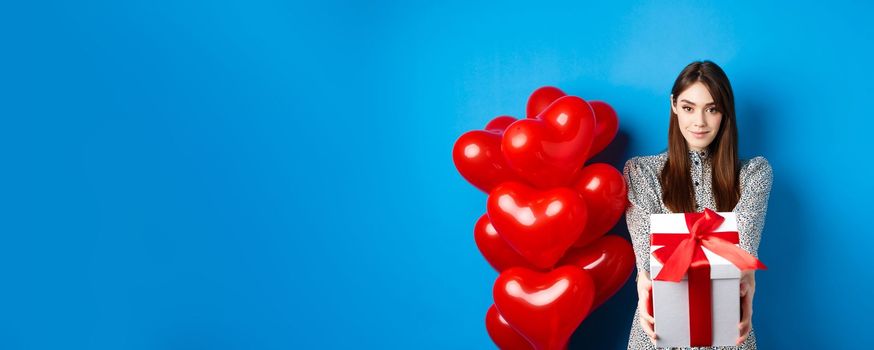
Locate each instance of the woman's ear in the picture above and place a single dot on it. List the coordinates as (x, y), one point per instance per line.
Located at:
(673, 105)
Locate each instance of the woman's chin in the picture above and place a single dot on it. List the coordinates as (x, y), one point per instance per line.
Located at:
(698, 145)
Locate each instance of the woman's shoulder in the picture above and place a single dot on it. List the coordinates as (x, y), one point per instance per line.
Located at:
(642, 178)
(647, 162)
(756, 168)
(645, 166)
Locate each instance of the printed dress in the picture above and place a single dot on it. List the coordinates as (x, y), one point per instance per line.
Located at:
(644, 192)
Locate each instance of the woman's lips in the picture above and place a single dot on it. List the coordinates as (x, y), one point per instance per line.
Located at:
(699, 135)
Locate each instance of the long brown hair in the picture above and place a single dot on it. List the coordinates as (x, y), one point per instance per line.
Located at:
(677, 191)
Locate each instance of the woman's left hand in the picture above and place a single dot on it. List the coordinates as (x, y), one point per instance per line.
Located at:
(747, 290)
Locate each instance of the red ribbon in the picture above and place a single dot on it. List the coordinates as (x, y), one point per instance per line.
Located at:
(681, 252)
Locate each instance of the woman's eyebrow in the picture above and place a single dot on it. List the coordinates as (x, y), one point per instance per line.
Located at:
(693, 103)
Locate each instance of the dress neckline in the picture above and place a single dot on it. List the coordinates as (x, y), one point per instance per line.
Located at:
(702, 154)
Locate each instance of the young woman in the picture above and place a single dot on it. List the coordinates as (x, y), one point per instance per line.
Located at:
(700, 169)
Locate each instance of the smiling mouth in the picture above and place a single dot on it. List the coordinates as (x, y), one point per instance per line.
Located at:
(699, 135)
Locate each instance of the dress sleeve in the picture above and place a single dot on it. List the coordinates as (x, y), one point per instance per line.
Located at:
(638, 211)
(755, 187)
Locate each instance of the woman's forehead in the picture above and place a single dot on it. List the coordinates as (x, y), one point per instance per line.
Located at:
(696, 94)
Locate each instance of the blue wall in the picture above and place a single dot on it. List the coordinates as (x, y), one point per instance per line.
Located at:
(273, 175)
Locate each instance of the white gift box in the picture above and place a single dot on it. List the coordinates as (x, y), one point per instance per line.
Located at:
(671, 299)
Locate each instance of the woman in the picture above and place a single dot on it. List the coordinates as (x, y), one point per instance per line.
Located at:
(700, 169)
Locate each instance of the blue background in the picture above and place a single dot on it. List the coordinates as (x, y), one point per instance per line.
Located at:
(274, 175)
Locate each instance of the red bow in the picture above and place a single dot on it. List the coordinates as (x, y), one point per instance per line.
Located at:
(682, 252)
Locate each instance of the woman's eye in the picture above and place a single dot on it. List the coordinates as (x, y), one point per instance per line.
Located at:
(713, 110)
(687, 108)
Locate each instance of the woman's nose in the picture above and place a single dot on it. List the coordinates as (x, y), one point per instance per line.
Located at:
(699, 118)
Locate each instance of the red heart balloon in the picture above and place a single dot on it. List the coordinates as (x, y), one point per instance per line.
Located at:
(504, 336)
(549, 151)
(545, 308)
(539, 225)
(609, 261)
(606, 126)
(542, 98)
(606, 195)
(477, 156)
(494, 248)
(500, 123)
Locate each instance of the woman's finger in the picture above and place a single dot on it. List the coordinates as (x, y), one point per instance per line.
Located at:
(648, 329)
(649, 318)
(644, 312)
(746, 308)
(744, 331)
(647, 323)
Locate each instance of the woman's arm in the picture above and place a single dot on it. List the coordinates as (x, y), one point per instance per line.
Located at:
(753, 204)
(750, 211)
(637, 218)
(638, 211)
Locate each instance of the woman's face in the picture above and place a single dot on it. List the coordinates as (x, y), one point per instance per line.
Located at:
(697, 115)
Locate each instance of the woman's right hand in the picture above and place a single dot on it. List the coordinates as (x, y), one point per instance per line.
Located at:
(644, 290)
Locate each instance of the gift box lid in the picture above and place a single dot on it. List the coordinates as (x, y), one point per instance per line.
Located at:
(720, 268)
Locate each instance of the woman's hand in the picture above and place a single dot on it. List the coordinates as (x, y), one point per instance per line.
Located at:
(644, 288)
(747, 290)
